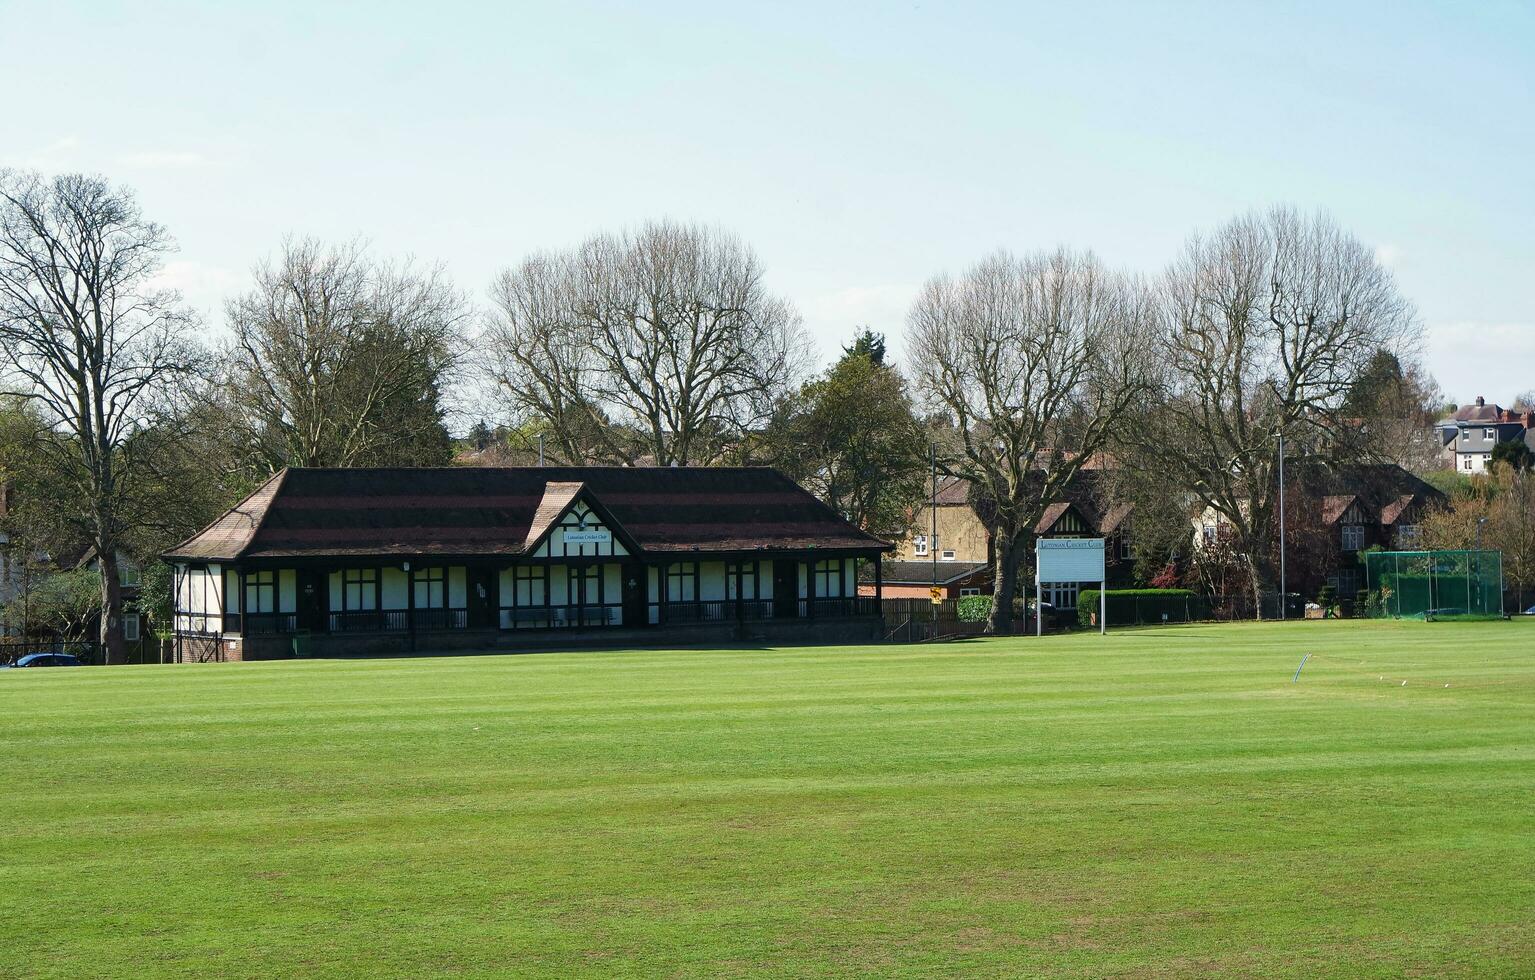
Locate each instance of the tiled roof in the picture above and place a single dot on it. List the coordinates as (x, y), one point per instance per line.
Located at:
(1085, 494)
(232, 533)
(1384, 492)
(557, 496)
(1053, 512)
(491, 511)
(924, 573)
(1336, 505)
(953, 490)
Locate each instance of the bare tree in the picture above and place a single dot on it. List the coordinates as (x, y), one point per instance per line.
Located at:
(338, 360)
(90, 342)
(1034, 361)
(540, 360)
(1268, 324)
(662, 344)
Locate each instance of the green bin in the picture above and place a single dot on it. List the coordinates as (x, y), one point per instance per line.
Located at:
(303, 646)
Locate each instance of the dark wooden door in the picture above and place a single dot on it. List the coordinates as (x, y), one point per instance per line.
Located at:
(482, 597)
(636, 599)
(313, 599)
(785, 589)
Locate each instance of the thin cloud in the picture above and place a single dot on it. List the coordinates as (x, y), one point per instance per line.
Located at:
(49, 156)
(162, 160)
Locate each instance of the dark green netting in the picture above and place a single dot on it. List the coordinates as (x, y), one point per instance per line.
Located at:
(1435, 584)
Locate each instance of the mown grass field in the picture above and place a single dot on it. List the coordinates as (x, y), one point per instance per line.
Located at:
(1161, 802)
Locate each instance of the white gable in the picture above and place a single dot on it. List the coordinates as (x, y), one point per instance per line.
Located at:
(580, 534)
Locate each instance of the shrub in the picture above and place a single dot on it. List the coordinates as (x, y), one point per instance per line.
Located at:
(973, 608)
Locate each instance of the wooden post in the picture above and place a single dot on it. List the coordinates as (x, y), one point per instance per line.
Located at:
(810, 588)
(410, 604)
(740, 597)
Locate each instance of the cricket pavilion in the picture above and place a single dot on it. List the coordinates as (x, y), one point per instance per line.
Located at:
(329, 562)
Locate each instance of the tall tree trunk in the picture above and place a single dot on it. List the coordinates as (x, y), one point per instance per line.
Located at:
(1005, 580)
(111, 635)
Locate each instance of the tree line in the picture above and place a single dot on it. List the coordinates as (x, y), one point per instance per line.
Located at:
(125, 429)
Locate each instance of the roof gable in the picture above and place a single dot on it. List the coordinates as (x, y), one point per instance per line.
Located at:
(567, 508)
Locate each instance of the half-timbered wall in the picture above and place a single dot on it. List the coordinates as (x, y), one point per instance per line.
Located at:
(581, 534)
(200, 599)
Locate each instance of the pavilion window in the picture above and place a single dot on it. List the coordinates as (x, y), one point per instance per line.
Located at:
(530, 584)
(586, 586)
(743, 574)
(682, 582)
(431, 588)
(359, 589)
(261, 592)
(828, 578)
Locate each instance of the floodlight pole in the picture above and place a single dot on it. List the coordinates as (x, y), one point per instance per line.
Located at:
(1283, 594)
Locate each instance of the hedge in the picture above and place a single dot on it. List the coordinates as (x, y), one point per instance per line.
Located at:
(1135, 606)
(973, 608)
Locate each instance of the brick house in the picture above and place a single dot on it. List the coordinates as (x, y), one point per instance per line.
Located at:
(965, 537)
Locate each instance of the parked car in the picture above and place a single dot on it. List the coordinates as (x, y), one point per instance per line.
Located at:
(46, 660)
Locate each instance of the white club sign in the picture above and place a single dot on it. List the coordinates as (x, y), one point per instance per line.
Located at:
(588, 536)
(1069, 560)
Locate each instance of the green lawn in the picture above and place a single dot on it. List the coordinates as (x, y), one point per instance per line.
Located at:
(1160, 802)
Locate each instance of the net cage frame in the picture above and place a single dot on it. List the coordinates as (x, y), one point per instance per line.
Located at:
(1441, 584)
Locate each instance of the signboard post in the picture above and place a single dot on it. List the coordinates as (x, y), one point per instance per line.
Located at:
(1068, 560)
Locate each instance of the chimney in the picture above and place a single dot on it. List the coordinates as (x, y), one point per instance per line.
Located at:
(1480, 401)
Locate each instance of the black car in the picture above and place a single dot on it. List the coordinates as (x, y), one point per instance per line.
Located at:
(47, 660)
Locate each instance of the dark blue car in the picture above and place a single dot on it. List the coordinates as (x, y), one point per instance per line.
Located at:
(47, 660)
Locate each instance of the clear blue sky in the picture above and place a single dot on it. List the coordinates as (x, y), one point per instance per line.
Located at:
(859, 148)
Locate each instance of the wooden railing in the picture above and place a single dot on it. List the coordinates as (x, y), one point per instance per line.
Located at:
(370, 621)
(254, 623)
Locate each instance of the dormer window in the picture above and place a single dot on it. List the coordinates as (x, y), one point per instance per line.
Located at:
(1353, 537)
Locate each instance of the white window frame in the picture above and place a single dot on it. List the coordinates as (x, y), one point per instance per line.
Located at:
(131, 630)
(1353, 537)
(1058, 594)
(946, 555)
(969, 590)
(919, 545)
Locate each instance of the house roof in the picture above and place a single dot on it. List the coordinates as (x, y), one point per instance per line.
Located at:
(924, 572)
(1085, 494)
(953, 490)
(1384, 491)
(499, 511)
(1336, 505)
